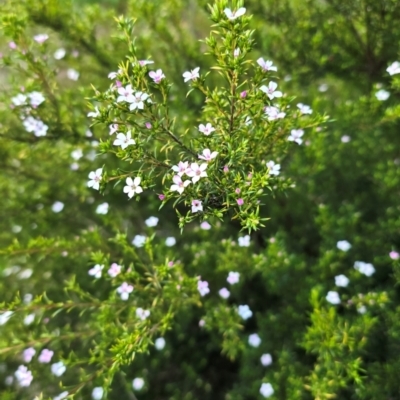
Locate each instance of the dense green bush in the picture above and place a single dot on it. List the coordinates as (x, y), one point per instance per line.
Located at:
(259, 279)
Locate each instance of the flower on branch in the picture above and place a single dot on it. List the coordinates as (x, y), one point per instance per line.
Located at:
(124, 140)
(191, 75)
(274, 169)
(207, 155)
(232, 15)
(271, 91)
(197, 171)
(95, 178)
(157, 76)
(296, 136)
(197, 206)
(206, 129)
(179, 185)
(273, 113)
(266, 65)
(137, 102)
(133, 186)
(124, 290)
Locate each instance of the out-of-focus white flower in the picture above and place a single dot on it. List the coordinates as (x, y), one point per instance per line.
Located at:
(125, 290)
(202, 287)
(61, 396)
(114, 270)
(159, 343)
(73, 74)
(333, 297)
(273, 113)
(394, 68)
(151, 222)
(139, 240)
(97, 393)
(232, 15)
(266, 359)
(138, 383)
(29, 319)
(382, 95)
(205, 225)
(233, 277)
(304, 109)
(245, 312)
(102, 208)
(266, 65)
(170, 241)
(266, 390)
(24, 376)
(19, 100)
(343, 245)
(57, 207)
(96, 271)
(41, 38)
(28, 354)
(254, 340)
(341, 280)
(5, 316)
(224, 293)
(59, 54)
(36, 99)
(365, 268)
(244, 241)
(273, 169)
(142, 314)
(295, 136)
(45, 356)
(362, 310)
(58, 369)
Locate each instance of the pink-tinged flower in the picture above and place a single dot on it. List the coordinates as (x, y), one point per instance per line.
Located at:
(271, 91)
(148, 125)
(113, 128)
(118, 84)
(240, 202)
(304, 108)
(205, 226)
(96, 271)
(232, 15)
(181, 169)
(274, 169)
(206, 129)
(12, 45)
(179, 185)
(157, 76)
(191, 75)
(224, 293)
(113, 75)
(95, 178)
(114, 270)
(143, 63)
(394, 255)
(124, 290)
(207, 155)
(226, 169)
(45, 356)
(233, 277)
(237, 190)
(138, 100)
(202, 287)
(197, 171)
(28, 354)
(266, 65)
(142, 314)
(197, 206)
(24, 376)
(41, 38)
(161, 197)
(202, 323)
(133, 186)
(243, 94)
(124, 140)
(394, 68)
(273, 113)
(125, 94)
(295, 136)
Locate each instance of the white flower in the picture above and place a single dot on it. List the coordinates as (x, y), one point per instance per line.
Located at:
(28, 354)
(191, 75)
(95, 178)
(125, 94)
(170, 241)
(233, 277)
(159, 343)
(266, 390)
(295, 136)
(36, 99)
(179, 185)
(95, 113)
(362, 310)
(304, 109)
(59, 54)
(29, 319)
(139, 240)
(244, 241)
(232, 15)
(266, 359)
(61, 396)
(102, 208)
(343, 245)
(254, 340)
(138, 383)
(207, 155)
(274, 169)
(142, 63)
(236, 52)
(142, 314)
(19, 100)
(245, 312)
(124, 140)
(77, 154)
(197, 171)
(394, 68)
(202, 287)
(97, 393)
(224, 293)
(341, 280)
(157, 76)
(73, 74)
(36, 126)
(57, 207)
(124, 290)
(206, 129)
(382, 95)
(113, 128)
(333, 297)
(113, 75)
(266, 65)
(132, 186)
(5, 316)
(182, 168)
(114, 270)
(197, 206)
(58, 369)
(41, 38)
(205, 226)
(345, 139)
(96, 271)
(273, 113)
(138, 101)
(271, 91)
(151, 222)
(365, 268)
(24, 376)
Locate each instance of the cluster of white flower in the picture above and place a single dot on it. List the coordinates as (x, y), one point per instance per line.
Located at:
(394, 68)
(113, 271)
(135, 99)
(35, 126)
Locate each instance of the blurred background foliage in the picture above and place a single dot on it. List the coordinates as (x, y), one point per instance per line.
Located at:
(333, 55)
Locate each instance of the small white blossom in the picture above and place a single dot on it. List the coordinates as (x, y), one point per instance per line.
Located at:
(244, 241)
(245, 312)
(95, 178)
(124, 140)
(142, 314)
(102, 208)
(77, 154)
(97, 393)
(206, 129)
(159, 343)
(41, 38)
(138, 101)
(236, 52)
(151, 222)
(202, 287)
(182, 168)
(29, 319)
(95, 113)
(254, 340)
(271, 91)
(382, 95)
(333, 297)
(224, 293)
(273, 113)
(304, 109)
(72, 74)
(96, 271)
(341, 280)
(24, 376)
(113, 128)
(394, 68)
(59, 54)
(157, 76)
(197, 206)
(295, 136)
(205, 226)
(38, 127)
(343, 245)
(28, 354)
(345, 139)
(5, 316)
(191, 75)
(207, 155)
(266, 390)
(58, 369)
(170, 241)
(362, 310)
(125, 94)
(133, 186)
(179, 185)
(36, 99)
(274, 169)
(197, 171)
(232, 15)
(19, 100)
(57, 207)
(266, 65)
(138, 383)
(124, 290)
(266, 360)
(139, 240)
(114, 270)
(365, 268)
(233, 277)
